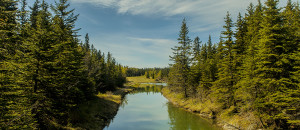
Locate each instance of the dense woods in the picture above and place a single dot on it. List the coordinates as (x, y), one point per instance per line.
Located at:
(46, 71)
(253, 69)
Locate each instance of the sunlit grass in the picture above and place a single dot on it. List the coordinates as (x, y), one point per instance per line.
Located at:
(246, 119)
(110, 96)
(140, 79)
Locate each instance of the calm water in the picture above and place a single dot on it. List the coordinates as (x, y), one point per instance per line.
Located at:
(148, 109)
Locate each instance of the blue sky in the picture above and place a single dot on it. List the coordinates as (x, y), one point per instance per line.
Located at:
(141, 33)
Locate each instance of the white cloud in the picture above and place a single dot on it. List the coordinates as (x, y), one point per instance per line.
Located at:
(136, 51)
(98, 2)
(197, 11)
(169, 7)
(204, 17)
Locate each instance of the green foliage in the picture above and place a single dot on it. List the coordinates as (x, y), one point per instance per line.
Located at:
(255, 72)
(178, 77)
(45, 72)
(224, 86)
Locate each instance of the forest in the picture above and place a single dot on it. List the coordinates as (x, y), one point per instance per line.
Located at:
(158, 74)
(46, 70)
(253, 70)
(252, 74)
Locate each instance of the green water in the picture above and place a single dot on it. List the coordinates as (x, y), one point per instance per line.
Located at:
(148, 109)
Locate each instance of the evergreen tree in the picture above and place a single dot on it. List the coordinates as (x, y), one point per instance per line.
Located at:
(178, 78)
(240, 35)
(196, 50)
(34, 13)
(23, 13)
(224, 86)
(209, 48)
(66, 68)
(275, 81)
(195, 72)
(147, 75)
(14, 99)
(87, 41)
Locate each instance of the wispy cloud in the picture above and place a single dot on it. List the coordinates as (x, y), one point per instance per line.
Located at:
(168, 7)
(196, 11)
(138, 32)
(147, 52)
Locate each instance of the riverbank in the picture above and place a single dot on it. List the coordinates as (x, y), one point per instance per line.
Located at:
(224, 118)
(98, 112)
(139, 81)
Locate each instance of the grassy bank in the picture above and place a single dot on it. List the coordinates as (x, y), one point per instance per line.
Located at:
(136, 81)
(97, 113)
(224, 118)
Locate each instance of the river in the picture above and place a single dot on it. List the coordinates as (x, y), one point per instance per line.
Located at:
(148, 109)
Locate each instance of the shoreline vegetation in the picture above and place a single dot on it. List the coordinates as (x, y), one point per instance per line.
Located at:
(98, 112)
(205, 110)
(92, 114)
(250, 78)
(140, 81)
(47, 72)
(51, 79)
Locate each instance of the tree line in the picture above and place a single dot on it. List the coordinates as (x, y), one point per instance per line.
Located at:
(254, 68)
(154, 73)
(46, 71)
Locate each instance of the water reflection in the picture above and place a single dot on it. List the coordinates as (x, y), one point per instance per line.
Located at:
(163, 84)
(147, 109)
(148, 89)
(183, 120)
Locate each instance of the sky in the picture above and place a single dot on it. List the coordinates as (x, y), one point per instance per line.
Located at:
(141, 33)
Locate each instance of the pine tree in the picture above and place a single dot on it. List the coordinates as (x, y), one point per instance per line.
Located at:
(240, 34)
(14, 98)
(196, 50)
(208, 69)
(209, 48)
(180, 69)
(248, 84)
(224, 86)
(23, 13)
(34, 13)
(65, 69)
(275, 81)
(195, 71)
(87, 41)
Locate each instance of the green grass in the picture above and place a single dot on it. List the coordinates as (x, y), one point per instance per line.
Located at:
(140, 79)
(244, 120)
(136, 81)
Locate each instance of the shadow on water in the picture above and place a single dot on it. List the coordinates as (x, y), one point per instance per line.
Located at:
(184, 120)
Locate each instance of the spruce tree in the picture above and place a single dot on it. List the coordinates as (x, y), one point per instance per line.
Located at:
(275, 82)
(23, 13)
(209, 48)
(66, 68)
(15, 103)
(181, 57)
(34, 12)
(248, 84)
(240, 34)
(195, 72)
(224, 86)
